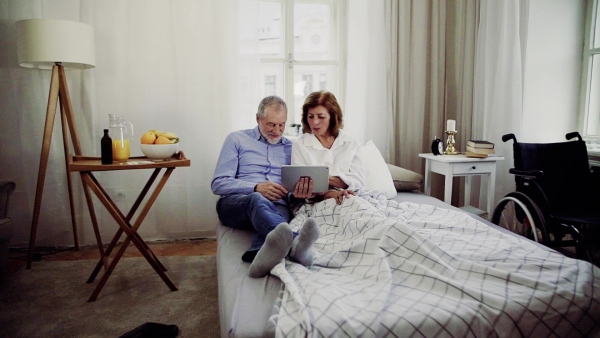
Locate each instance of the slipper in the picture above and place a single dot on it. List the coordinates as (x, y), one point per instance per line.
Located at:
(152, 330)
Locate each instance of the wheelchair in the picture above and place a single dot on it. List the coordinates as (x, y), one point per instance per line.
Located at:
(557, 197)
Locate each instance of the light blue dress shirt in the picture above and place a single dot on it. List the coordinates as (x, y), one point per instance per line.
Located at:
(247, 159)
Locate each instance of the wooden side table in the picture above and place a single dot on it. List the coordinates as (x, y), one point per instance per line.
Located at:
(460, 165)
(86, 166)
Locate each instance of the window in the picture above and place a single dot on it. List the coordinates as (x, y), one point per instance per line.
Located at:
(307, 80)
(300, 50)
(590, 93)
(322, 81)
(270, 85)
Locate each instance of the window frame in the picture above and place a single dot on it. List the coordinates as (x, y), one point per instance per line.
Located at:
(586, 72)
(288, 62)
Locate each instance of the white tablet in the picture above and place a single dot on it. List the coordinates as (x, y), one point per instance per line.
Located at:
(290, 174)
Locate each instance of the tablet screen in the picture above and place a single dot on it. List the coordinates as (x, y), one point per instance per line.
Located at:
(290, 174)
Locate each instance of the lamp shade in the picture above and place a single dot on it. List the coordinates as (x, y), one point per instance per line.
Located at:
(41, 43)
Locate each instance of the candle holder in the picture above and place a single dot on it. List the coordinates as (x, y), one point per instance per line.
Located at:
(450, 143)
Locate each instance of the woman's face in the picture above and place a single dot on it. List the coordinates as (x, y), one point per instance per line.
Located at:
(318, 120)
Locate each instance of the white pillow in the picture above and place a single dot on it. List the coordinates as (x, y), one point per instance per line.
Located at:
(378, 176)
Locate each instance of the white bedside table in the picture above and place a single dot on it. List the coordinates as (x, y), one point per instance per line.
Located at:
(460, 165)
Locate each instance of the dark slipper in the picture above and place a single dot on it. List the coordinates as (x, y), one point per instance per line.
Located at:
(152, 330)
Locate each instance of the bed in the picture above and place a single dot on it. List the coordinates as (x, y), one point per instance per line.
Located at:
(407, 265)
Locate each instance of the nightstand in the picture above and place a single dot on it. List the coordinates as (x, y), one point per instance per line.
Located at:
(460, 165)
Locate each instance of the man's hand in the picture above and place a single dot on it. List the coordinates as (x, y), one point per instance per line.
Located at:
(271, 190)
(304, 188)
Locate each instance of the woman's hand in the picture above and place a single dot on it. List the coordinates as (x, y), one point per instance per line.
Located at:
(304, 188)
(336, 182)
(338, 195)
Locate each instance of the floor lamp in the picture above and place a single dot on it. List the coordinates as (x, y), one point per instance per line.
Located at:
(56, 45)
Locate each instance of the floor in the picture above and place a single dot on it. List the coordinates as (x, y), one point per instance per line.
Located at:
(17, 259)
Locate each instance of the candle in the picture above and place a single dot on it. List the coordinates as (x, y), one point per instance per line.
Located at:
(451, 125)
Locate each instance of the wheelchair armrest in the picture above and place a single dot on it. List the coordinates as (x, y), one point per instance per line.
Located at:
(526, 173)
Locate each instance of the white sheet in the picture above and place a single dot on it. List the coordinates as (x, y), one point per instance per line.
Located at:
(410, 269)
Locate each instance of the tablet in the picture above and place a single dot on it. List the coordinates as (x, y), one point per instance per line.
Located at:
(290, 174)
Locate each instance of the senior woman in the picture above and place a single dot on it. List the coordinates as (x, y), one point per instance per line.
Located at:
(323, 142)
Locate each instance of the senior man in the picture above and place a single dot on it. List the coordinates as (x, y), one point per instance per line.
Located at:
(248, 179)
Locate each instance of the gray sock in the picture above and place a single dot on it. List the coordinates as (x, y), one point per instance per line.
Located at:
(302, 246)
(276, 247)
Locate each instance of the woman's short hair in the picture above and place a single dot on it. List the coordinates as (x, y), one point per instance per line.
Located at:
(329, 102)
(268, 101)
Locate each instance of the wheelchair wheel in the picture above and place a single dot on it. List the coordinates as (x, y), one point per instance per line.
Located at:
(518, 213)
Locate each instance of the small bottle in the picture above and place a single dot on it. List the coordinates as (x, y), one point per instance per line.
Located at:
(106, 148)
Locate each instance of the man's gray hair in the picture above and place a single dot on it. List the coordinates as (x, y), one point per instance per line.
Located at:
(269, 101)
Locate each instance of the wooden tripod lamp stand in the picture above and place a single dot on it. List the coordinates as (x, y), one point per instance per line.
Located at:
(56, 45)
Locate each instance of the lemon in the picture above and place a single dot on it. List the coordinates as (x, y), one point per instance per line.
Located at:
(148, 138)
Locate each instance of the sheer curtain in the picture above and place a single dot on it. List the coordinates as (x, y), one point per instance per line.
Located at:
(169, 65)
(366, 113)
(498, 91)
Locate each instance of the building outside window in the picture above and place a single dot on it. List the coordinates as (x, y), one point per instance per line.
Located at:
(322, 81)
(308, 87)
(270, 85)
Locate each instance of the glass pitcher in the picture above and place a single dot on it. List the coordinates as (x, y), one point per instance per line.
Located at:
(120, 132)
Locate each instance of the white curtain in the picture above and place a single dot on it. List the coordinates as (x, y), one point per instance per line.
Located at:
(498, 94)
(171, 65)
(366, 113)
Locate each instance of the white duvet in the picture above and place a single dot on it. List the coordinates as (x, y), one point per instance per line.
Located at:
(388, 269)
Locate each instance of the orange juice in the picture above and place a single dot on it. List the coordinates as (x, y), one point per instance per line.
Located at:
(120, 150)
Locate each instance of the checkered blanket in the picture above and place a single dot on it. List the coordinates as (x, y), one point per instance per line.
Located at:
(388, 269)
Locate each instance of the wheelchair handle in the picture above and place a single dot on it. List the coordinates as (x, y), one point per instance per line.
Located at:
(508, 137)
(574, 134)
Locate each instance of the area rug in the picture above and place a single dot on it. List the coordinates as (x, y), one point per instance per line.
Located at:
(50, 299)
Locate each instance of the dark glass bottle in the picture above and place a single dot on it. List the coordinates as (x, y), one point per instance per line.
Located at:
(106, 148)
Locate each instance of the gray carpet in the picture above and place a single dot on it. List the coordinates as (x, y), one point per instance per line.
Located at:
(50, 299)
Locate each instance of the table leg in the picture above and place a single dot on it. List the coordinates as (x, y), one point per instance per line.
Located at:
(428, 177)
(131, 231)
(128, 218)
(92, 211)
(448, 185)
(491, 195)
(467, 190)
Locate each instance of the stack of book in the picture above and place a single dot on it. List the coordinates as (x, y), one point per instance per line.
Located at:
(482, 149)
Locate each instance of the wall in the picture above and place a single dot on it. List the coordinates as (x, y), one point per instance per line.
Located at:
(552, 69)
(177, 72)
